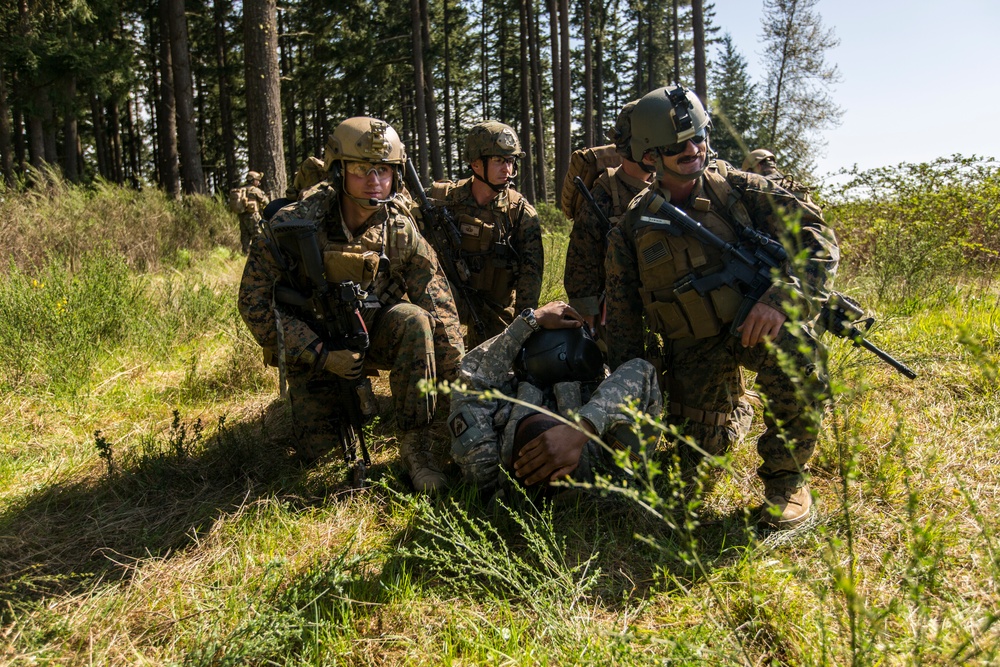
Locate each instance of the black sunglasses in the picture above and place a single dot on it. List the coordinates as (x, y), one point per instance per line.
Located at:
(678, 148)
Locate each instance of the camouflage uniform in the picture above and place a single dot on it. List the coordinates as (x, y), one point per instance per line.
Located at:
(483, 429)
(703, 369)
(250, 218)
(588, 241)
(505, 287)
(414, 335)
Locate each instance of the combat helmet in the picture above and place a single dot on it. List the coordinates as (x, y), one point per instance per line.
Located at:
(665, 117)
(364, 139)
(756, 157)
(254, 176)
(559, 355)
(489, 138)
(621, 133)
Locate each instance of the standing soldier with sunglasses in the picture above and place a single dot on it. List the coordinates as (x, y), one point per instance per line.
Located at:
(367, 238)
(651, 265)
(501, 239)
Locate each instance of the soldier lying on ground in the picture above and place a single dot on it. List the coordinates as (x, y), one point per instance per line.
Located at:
(544, 358)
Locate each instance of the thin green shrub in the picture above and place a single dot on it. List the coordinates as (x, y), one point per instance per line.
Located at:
(55, 323)
(907, 226)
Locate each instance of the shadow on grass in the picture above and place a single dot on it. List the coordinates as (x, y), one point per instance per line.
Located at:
(160, 496)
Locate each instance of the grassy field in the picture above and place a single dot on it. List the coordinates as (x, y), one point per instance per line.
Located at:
(151, 513)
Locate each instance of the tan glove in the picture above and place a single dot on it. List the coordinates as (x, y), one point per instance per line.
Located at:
(344, 363)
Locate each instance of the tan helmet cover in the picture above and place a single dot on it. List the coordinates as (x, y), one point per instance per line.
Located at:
(756, 157)
(254, 176)
(621, 134)
(491, 137)
(364, 139)
(657, 122)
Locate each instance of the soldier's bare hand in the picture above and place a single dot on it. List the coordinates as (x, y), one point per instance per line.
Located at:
(763, 322)
(552, 455)
(558, 315)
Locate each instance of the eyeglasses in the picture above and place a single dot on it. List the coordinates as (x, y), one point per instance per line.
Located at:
(680, 146)
(362, 169)
(503, 159)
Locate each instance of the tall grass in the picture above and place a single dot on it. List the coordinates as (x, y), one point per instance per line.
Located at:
(184, 533)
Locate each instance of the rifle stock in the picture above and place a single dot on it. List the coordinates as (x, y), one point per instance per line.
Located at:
(749, 268)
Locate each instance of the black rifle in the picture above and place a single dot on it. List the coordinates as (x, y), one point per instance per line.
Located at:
(443, 234)
(582, 187)
(334, 310)
(749, 268)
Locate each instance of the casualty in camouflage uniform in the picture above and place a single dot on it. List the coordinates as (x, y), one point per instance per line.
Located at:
(248, 202)
(501, 237)
(650, 268)
(763, 162)
(560, 368)
(368, 238)
(612, 191)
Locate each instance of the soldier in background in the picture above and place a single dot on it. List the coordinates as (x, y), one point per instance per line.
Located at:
(544, 358)
(248, 202)
(500, 233)
(613, 190)
(310, 173)
(649, 265)
(763, 162)
(367, 236)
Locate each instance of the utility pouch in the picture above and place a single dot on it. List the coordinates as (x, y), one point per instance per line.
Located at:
(667, 319)
(357, 267)
(477, 235)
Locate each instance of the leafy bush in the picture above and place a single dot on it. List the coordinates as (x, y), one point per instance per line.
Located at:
(902, 225)
(54, 323)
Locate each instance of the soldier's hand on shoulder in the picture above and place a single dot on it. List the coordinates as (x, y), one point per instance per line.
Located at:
(558, 315)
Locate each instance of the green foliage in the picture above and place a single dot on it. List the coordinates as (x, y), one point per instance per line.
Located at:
(736, 106)
(54, 323)
(907, 226)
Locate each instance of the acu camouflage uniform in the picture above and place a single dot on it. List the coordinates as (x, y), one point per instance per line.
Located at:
(415, 334)
(250, 218)
(646, 269)
(503, 286)
(483, 429)
(588, 241)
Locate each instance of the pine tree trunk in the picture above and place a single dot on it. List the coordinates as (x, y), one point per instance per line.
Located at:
(565, 120)
(536, 92)
(557, 136)
(166, 111)
(69, 133)
(418, 89)
(430, 102)
(700, 75)
(284, 61)
(192, 175)
(100, 137)
(449, 168)
(266, 150)
(225, 96)
(529, 170)
(6, 149)
(588, 76)
(115, 143)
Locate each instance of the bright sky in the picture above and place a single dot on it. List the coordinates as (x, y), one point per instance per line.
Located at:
(918, 77)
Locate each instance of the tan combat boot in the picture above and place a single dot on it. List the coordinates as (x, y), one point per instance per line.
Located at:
(785, 507)
(416, 450)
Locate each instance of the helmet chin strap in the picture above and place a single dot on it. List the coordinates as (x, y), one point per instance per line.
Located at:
(496, 187)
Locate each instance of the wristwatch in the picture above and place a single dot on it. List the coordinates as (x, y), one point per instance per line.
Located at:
(529, 316)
